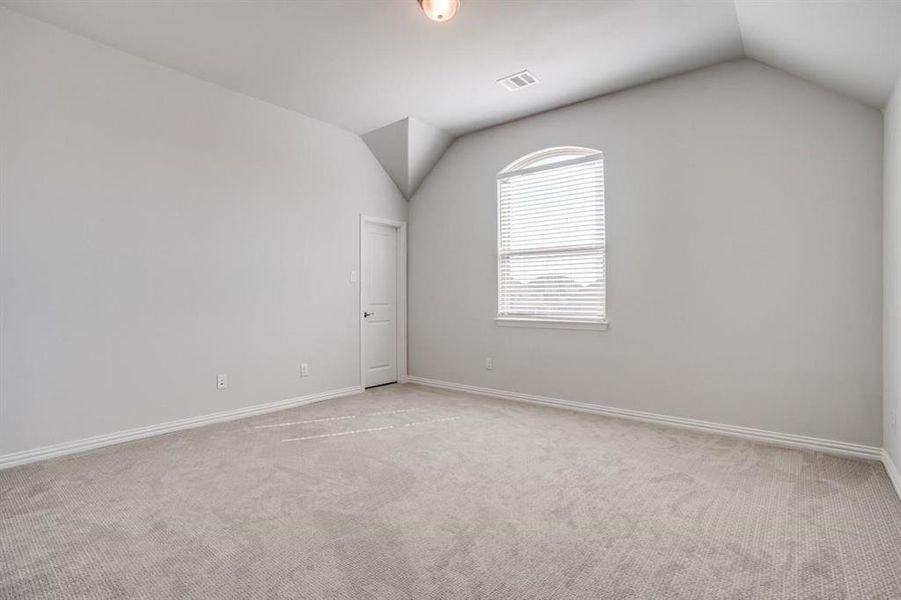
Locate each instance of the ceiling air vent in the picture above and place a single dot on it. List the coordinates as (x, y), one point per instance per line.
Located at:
(517, 81)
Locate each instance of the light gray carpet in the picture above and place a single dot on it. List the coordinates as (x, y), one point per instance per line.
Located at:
(407, 492)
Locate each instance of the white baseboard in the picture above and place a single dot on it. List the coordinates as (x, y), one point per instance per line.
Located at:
(65, 448)
(892, 471)
(760, 435)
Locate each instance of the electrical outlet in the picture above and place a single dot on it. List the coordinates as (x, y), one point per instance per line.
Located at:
(489, 363)
(304, 369)
(353, 277)
(221, 381)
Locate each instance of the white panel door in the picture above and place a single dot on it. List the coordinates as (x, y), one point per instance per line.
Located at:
(379, 304)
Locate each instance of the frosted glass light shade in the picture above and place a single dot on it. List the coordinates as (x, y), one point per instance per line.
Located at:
(440, 10)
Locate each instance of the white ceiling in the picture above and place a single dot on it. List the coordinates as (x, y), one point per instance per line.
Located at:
(853, 47)
(362, 64)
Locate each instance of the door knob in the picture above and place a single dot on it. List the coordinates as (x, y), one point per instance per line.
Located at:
(367, 314)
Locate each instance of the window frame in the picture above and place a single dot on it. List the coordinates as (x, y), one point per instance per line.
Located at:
(536, 162)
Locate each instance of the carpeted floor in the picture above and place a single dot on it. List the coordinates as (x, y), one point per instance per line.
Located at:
(414, 493)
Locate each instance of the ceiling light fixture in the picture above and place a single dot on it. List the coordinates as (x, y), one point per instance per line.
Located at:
(439, 10)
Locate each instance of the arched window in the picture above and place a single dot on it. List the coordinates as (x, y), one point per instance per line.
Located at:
(551, 258)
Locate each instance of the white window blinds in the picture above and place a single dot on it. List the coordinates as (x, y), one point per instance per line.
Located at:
(551, 254)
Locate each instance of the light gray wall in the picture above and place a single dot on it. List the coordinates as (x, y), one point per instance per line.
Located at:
(744, 250)
(892, 278)
(158, 230)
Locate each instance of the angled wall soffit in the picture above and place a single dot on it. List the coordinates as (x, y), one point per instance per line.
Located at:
(408, 150)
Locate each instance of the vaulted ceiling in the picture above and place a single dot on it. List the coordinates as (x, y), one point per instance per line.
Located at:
(362, 64)
(365, 64)
(851, 46)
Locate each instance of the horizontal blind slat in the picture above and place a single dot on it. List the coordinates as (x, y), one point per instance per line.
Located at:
(551, 256)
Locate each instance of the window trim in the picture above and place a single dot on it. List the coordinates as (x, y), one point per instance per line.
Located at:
(515, 169)
(551, 323)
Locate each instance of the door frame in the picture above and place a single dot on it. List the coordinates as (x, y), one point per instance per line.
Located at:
(401, 317)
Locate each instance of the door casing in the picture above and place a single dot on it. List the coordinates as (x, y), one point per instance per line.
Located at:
(401, 345)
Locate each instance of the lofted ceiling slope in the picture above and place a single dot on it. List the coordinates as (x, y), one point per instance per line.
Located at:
(362, 65)
(852, 46)
(366, 64)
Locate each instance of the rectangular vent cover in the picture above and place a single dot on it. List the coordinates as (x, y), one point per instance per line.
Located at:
(517, 81)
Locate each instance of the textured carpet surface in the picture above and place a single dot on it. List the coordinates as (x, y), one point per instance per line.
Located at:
(408, 492)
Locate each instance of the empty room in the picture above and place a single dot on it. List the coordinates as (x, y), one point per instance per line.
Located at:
(450, 299)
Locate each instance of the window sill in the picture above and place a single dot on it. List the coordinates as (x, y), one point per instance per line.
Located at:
(548, 324)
